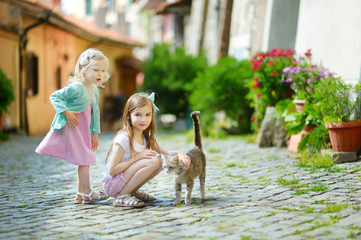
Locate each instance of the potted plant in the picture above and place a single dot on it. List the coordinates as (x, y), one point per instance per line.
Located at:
(6, 96)
(337, 102)
(298, 123)
(265, 88)
(303, 76)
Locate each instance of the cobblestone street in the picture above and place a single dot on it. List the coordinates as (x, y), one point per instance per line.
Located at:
(252, 193)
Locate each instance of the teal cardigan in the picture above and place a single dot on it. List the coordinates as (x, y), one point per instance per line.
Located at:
(75, 97)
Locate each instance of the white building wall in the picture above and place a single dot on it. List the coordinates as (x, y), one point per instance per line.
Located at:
(73, 8)
(331, 28)
(192, 32)
(211, 34)
(211, 43)
(241, 28)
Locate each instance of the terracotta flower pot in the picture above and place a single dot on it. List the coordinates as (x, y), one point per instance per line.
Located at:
(346, 136)
(296, 139)
(299, 104)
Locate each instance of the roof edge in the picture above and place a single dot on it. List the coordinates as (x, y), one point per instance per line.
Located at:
(72, 24)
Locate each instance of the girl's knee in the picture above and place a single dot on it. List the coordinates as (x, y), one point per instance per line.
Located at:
(156, 162)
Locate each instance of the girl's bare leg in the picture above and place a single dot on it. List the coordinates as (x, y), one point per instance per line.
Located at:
(150, 177)
(84, 182)
(140, 173)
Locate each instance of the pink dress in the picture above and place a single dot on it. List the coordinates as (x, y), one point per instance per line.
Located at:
(73, 144)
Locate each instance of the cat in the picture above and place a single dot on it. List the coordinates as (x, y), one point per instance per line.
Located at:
(181, 174)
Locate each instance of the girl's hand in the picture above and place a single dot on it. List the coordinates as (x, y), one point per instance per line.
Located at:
(71, 118)
(94, 140)
(186, 160)
(146, 154)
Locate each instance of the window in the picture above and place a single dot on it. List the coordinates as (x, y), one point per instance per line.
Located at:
(58, 77)
(111, 5)
(88, 7)
(32, 77)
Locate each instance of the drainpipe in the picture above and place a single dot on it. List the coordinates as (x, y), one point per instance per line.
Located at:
(23, 40)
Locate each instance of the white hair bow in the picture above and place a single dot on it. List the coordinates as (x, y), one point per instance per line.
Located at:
(86, 56)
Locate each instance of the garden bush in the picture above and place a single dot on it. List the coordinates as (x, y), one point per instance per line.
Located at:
(222, 87)
(167, 73)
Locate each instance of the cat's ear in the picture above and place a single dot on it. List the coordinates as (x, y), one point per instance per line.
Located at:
(175, 159)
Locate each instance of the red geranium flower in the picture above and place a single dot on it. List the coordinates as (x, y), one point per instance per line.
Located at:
(271, 63)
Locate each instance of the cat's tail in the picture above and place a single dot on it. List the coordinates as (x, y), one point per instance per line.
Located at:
(197, 129)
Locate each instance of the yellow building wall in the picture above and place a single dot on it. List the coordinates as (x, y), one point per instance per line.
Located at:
(55, 48)
(9, 48)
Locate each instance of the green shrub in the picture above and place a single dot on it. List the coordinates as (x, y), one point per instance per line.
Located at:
(335, 99)
(315, 140)
(222, 87)
(167, 73)
(7, 92)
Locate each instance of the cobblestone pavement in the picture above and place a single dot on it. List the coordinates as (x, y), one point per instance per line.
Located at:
(249, 193)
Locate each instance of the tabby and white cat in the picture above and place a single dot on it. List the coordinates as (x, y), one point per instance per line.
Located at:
(174, 166)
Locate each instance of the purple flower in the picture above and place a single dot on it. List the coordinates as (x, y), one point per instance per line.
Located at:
(289, 79)
(295, 70)
(308, 70)
(309, 80)
(286, 70)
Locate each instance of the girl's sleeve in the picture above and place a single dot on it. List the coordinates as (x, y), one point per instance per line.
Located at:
(96, 126)
(122, 140)
(59, 97)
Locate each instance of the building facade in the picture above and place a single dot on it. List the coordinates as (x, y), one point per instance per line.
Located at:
(40, 46)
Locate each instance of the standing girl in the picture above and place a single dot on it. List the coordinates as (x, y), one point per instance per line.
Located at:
(74, 131)
(132, 159)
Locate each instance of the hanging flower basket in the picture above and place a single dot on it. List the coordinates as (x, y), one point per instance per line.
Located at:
(345, 136)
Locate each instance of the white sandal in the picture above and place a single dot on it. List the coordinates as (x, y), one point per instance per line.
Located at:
(81, 199)
(101, 196)
(144, 197)
(120, 201)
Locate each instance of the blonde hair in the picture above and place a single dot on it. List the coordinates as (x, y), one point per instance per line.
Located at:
(138, 100)
(86, 60)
